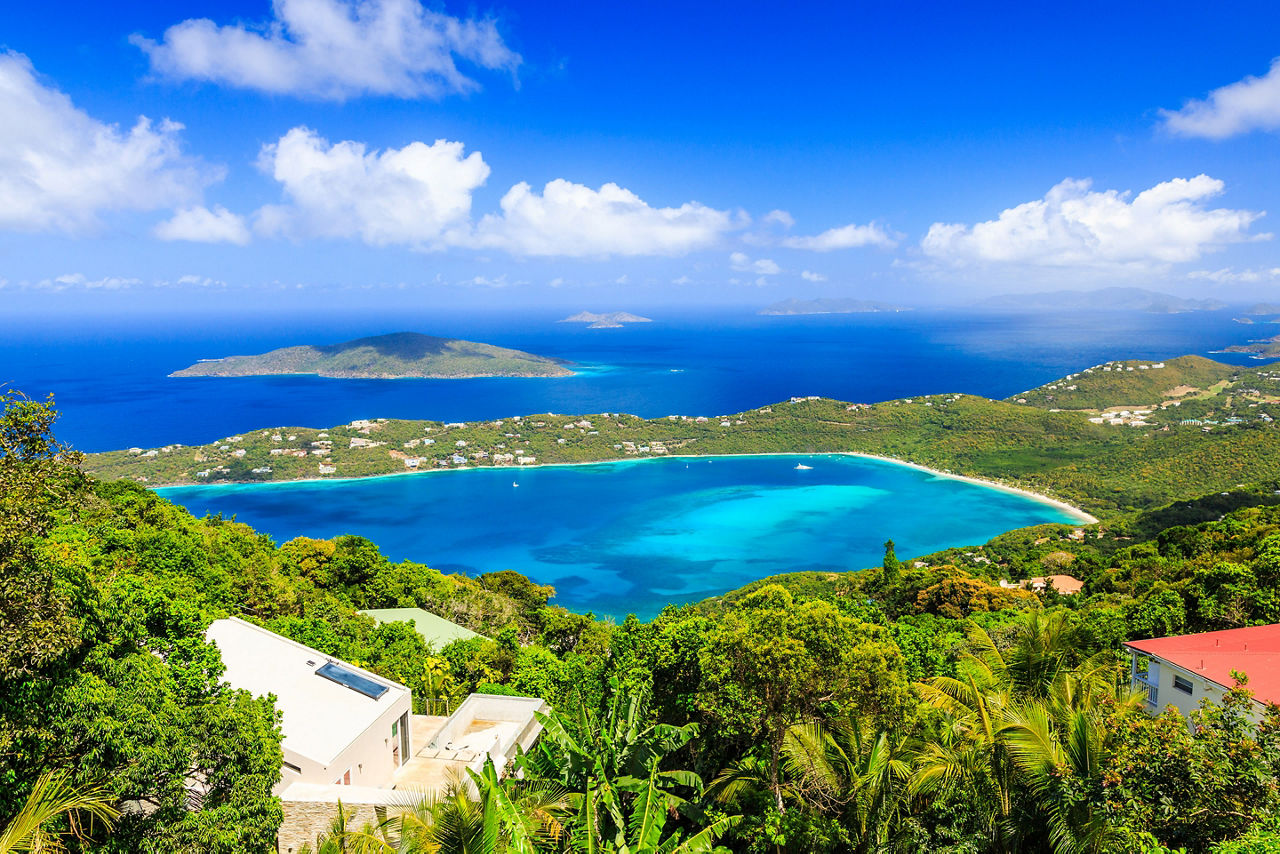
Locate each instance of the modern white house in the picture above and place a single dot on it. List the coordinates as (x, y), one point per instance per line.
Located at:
(351, 735)
(342, 725)
(1183, 670)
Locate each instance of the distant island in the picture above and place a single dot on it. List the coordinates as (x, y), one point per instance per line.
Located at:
(612, 320)
(399, 355)
(1264, 308)
(1103, 299)
(788, 307)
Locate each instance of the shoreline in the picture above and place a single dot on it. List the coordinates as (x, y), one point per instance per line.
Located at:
(1082, 517)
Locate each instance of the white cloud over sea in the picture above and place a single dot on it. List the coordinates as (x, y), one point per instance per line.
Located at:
(61, 169)
(1075, 226)
(420, 196)
(1247, 105)
(335, 50)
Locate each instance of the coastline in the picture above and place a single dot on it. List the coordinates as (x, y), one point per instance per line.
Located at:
(1081, 516)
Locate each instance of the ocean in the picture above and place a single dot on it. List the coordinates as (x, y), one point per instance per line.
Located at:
(613, 539)
(633, 536)
(110, 377)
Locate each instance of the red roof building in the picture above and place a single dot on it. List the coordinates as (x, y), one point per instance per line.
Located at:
(1183, 670)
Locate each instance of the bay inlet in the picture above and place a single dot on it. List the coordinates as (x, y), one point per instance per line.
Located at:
(633, 536)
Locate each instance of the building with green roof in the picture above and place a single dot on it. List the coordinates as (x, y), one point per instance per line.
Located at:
(435, 630)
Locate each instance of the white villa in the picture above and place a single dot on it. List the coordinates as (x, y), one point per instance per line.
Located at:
(351, 735)
(1182, 670)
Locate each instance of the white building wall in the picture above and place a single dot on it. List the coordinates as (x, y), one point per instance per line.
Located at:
(373, 757)
(1161, 675)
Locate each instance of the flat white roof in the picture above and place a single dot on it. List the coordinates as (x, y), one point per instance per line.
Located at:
(320, 716)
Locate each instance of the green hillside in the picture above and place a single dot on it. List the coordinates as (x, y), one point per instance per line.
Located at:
(1130, 383)
(1099, 467)
(395, 356)
(917, 706)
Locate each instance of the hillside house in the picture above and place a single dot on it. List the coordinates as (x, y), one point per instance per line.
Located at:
(350, 735)
(342, 725)
(1183, 670)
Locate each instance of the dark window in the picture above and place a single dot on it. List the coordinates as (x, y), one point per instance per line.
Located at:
(352, 680)
(294, 768)
(1182, 685)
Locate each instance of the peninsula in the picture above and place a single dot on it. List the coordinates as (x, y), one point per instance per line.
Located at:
(1111, 438)
(789, 307)
(1263, 348)
(399, 355)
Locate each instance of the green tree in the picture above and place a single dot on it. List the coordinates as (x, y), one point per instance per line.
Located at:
(40, 598)
(892, 566)
(773, 663)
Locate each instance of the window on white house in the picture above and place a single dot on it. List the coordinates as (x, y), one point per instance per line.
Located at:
(1183, 685)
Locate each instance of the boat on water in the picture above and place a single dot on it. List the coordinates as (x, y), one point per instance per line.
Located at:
(803, 467)
(513, 483)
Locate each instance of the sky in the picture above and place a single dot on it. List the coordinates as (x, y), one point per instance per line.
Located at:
(269, 155)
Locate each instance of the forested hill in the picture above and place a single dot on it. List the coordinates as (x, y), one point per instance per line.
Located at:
(916, 706)
(395, 356)
(1152, 383)
(1102, 464)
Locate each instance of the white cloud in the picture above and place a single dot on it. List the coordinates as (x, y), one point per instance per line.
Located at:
(810, 276)
(407, 196)
(79, 281)
(201, 225)
(845, 237)
(201, 281)
(334, 49)
(682, 280)
(572, 219)
(763, 266)
(60, 168)
(1074, 226)
(1229, 276)
(421, 195)
(1246, 105)
(780, 217)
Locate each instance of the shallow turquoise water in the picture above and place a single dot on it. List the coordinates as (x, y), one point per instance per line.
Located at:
(631, 537)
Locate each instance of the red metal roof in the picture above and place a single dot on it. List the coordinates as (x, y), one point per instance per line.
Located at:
(1213, 655)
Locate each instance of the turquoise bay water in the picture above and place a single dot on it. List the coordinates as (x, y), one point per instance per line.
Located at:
(631, 537)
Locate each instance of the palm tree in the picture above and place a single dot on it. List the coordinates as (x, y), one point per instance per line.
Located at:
(476, 814)
(606, 759)
(54, 796)
(1027, 721)
(847, 770)
(643, 830)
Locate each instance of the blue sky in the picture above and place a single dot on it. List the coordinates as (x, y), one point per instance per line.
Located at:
(633, 154)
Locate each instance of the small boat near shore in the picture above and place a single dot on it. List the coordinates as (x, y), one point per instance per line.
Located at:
(803, 467)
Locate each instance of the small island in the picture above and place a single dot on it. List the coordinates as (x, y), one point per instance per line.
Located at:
(399, 355)
(791, 307)
(612, 320)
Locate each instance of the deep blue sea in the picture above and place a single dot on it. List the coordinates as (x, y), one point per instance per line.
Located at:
(629, 537)
(110, 376)
(611, 538)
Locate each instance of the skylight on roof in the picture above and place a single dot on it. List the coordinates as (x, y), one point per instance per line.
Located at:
(354, 681)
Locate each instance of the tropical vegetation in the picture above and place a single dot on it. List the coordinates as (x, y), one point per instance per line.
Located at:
(915, 706)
